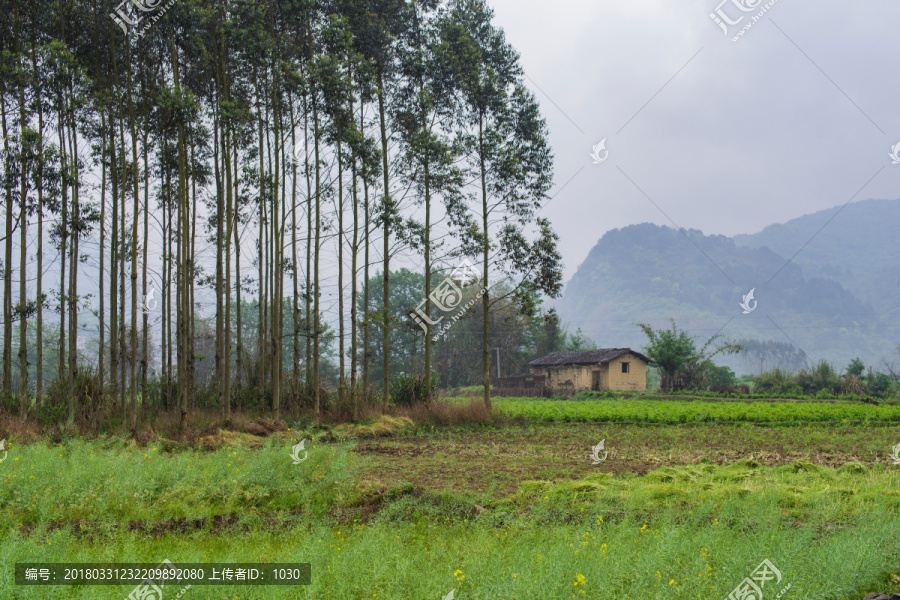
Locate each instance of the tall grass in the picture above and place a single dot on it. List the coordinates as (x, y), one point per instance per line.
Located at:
(679, 532)
(112, 481)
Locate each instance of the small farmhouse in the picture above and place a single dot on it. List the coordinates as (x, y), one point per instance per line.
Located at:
(604, 369)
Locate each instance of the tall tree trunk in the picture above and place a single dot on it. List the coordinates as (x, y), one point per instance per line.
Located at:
(261, 330)
(145, 319)
(7, 262)
(192, 279)
(485, 303)
(74, 251)
(239, 362)
(135, 220)
(63, 245)
(388, 213)
(226, 158)
(183, 275)
(218, 155)
(316, 249)
(309, 227)
(277, 252)
(164, 299)
(101, 363)
(295, 306)
(120, 254)
(23, 245)
(354, 314)
(342, 381)
(367, 352)
(39, 292)
(123, 247)
(428, 398)
(114, 257)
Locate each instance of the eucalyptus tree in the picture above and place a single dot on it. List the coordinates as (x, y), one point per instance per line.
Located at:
(17, 66)
(47, 181)
(505, 139)
(334, 76)
(377, 24)
(7, 87)
(368, 160)
(365, 168)
(423, 114)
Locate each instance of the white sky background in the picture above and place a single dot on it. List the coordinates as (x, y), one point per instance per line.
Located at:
(749, 133)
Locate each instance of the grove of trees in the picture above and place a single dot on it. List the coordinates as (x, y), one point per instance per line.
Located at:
(225, 190)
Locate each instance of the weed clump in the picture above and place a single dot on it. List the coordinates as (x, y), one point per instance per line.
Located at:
(383, 426)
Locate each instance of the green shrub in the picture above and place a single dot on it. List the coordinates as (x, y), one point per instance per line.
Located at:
(408, 390)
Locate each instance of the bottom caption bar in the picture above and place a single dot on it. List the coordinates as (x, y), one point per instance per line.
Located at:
(166, 573)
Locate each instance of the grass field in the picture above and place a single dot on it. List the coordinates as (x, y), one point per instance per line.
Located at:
(512, 510)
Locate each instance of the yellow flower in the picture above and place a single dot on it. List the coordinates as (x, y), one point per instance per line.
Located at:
(579, 579)
(671, 582)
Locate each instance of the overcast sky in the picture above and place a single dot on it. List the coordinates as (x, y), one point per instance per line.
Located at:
(727, 137)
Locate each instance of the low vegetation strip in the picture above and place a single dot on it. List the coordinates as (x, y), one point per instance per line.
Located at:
(116, 482)
(672, 411)
(679, 532)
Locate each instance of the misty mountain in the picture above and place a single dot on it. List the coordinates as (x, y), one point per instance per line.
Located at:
(857, 247)
(833, 310)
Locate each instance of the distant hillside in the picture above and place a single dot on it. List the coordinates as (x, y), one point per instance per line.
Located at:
(858, 248)
(647, 273)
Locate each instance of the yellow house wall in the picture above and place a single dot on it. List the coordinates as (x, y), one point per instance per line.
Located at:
(575, 377)
(635, 380)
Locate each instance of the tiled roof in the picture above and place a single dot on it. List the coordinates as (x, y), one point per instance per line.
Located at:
(584, 357)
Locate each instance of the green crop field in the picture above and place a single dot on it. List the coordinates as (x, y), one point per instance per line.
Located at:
(509, 511)
(676, 411)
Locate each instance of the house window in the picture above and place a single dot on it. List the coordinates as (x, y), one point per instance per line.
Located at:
(626, 367)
